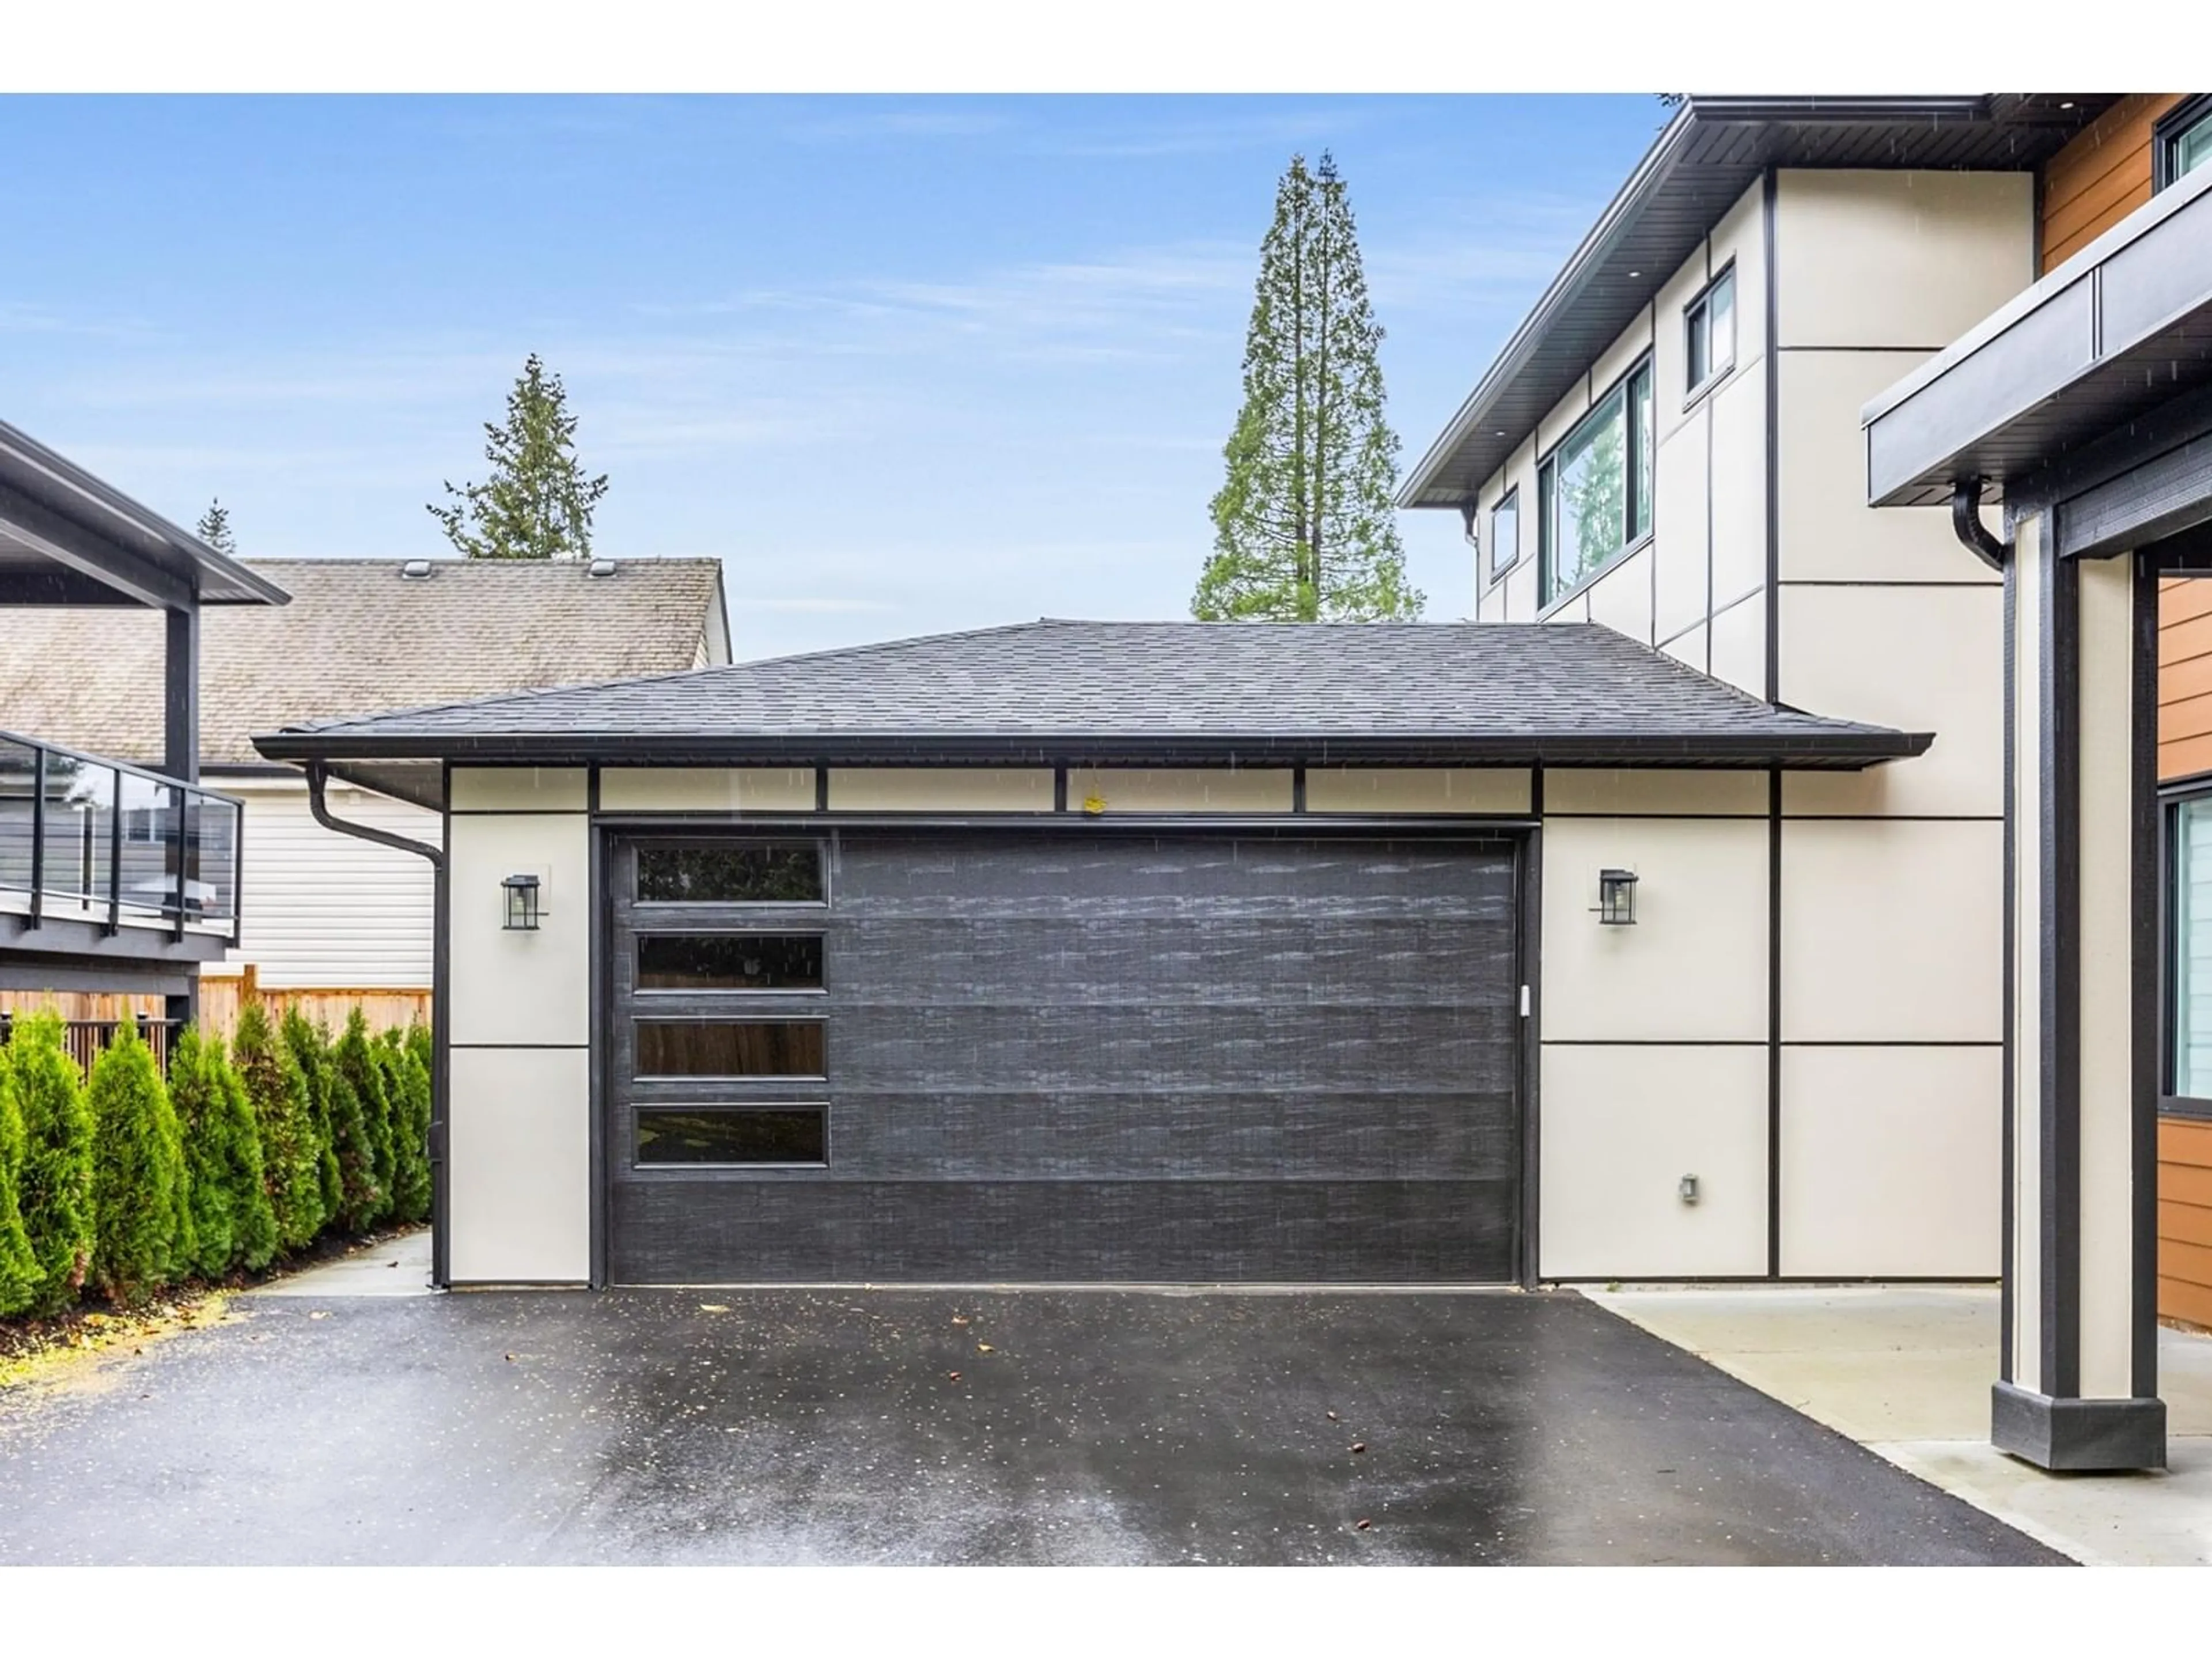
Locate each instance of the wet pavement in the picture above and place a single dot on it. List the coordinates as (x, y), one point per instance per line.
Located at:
(914, 1426)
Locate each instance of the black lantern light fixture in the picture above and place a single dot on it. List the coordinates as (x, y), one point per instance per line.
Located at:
(521, 895)
(1616, 897)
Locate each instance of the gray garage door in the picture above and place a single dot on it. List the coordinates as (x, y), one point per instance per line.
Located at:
(983, 1056)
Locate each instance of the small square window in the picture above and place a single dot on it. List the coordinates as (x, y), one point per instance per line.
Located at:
(1708, 330)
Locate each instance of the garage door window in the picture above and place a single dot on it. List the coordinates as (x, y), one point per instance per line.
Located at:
(750, 1135)
(730, 1047)
(729, 962)
(730, 875)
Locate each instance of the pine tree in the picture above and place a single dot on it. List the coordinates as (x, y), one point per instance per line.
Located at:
(18, 1263)
(310, 1046)
(142, 1233)
(538, 503)
(407, 1081)
(353, 1057)
(1303, 526)
(276, 1090)
(253, 1220)
(195, 1097)
(53, 1183)
(214, 529)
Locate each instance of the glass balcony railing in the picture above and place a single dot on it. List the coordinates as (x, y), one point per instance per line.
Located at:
(97, 841)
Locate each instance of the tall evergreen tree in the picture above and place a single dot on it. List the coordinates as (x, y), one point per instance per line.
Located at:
(53, 1182)
(18, 1263)
(141, 1221)
(1303, 526)
(214, 529)
(309, 1045)
(194, 1097)
(538, 504)
(291, 1153)
(349, 1073)
(407, 1083)
(253, 1220)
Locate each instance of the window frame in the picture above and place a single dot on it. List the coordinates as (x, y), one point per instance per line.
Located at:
(1700, 305)
(2172, 799)
(1548, 602)
(728, 1109)
(1498, 572)
(2168, 132)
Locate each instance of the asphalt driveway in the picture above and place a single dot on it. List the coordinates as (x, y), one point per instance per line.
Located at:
(908, 1426)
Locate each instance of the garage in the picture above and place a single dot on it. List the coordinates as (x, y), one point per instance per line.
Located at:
(987, 1054)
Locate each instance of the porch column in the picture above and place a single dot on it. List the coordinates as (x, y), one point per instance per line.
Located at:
(2079, 1387)
(180, 695)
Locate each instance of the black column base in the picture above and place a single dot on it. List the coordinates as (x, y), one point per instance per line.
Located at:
(2107, 1435)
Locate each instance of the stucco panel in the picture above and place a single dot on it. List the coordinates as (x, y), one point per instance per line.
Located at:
(1177, 791)
(941, 789)
(1739, 485)
(1658, 792)
(1406, 789)
(1739, 646)
(1683, 594)
(707, 789)
(519, 1146)
(1621, 598)
(518, 789)
(511, 987)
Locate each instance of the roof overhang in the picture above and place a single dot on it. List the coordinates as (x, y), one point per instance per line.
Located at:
(1712, 151)
(67, 537)
(399, 766)
(2118, 333)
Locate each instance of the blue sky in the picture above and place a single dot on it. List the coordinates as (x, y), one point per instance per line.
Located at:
(903, 364)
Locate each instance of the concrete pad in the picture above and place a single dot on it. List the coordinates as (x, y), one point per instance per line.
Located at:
(399, 1267)
(1906, 1371)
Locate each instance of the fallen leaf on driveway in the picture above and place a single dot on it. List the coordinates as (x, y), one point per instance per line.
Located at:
(1359, 1445)
(510, 1358)
(1332, 1417)
(960, 1319)
(713, 1307)
(1363, 1525)
(320, 1312)
(983, 1347)
(952, 1377)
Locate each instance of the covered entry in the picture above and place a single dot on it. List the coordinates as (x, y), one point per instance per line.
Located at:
(964, 1054)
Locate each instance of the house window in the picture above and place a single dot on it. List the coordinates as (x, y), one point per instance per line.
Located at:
(2188, 945)
(753, 1135)
(2182, 141)
(729, 962)
(1709, 325)
(729, 875)
(1593, 491)
(730, 1047)
(1505, 534)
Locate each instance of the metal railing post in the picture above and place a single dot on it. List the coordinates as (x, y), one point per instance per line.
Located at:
(38, 836)
(114, 852)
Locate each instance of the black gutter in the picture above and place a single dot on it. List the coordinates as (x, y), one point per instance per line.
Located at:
(317, 776)
(1849, 748)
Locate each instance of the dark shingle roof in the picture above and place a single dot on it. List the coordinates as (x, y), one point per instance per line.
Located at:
(356, 638)
(1148, 690)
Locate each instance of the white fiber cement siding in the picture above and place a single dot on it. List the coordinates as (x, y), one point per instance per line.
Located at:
(327, 911)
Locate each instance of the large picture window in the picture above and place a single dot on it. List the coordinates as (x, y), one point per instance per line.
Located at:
(2189, 919)
(1595, 489)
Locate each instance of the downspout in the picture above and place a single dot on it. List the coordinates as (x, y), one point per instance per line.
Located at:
(318, 776)
(1966, 524)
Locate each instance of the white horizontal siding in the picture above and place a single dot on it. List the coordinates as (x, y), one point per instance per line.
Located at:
(328, 911)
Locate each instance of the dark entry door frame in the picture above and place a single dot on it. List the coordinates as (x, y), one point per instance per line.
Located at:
(1515, 837)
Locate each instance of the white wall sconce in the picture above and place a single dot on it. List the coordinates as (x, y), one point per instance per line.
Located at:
(1616, 897)
(1688, 1189)
(520, 893)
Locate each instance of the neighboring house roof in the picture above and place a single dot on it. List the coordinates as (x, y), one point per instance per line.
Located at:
(77, 539)
(359, 636)
(1147, 692)
(1712, 151)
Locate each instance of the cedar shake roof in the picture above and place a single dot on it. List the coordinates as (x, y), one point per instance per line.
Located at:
(356, 638)
(1439, 693)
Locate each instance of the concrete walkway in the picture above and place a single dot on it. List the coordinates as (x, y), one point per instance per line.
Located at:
(1906, 1371)
(399, 1266)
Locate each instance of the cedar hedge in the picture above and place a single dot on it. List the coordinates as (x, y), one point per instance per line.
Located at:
(127, 1182)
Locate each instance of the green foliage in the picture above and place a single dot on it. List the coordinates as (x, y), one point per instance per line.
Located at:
(233, 1224)
(1304, 530)
(359, 1128)
(310, 1046)
(142, 1221)
(214, 529)
(285, 1121)
(538, 504)
(54, 1182)
(18, 1263)
(407, 1084)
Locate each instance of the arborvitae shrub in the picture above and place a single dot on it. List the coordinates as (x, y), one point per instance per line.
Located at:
(253, 1222)
(53, 1182)
(353, 1056)
(194, 1096)
(310, 1045)
(142, 1233)
(284, 1114)
(407, 1081)
(19, 1265)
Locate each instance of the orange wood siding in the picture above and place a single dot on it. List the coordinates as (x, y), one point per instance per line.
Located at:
(2102, 176)
(2185, 1220)
(2184, 678)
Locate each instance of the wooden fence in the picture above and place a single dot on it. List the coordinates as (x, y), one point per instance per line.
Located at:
(221, 999)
